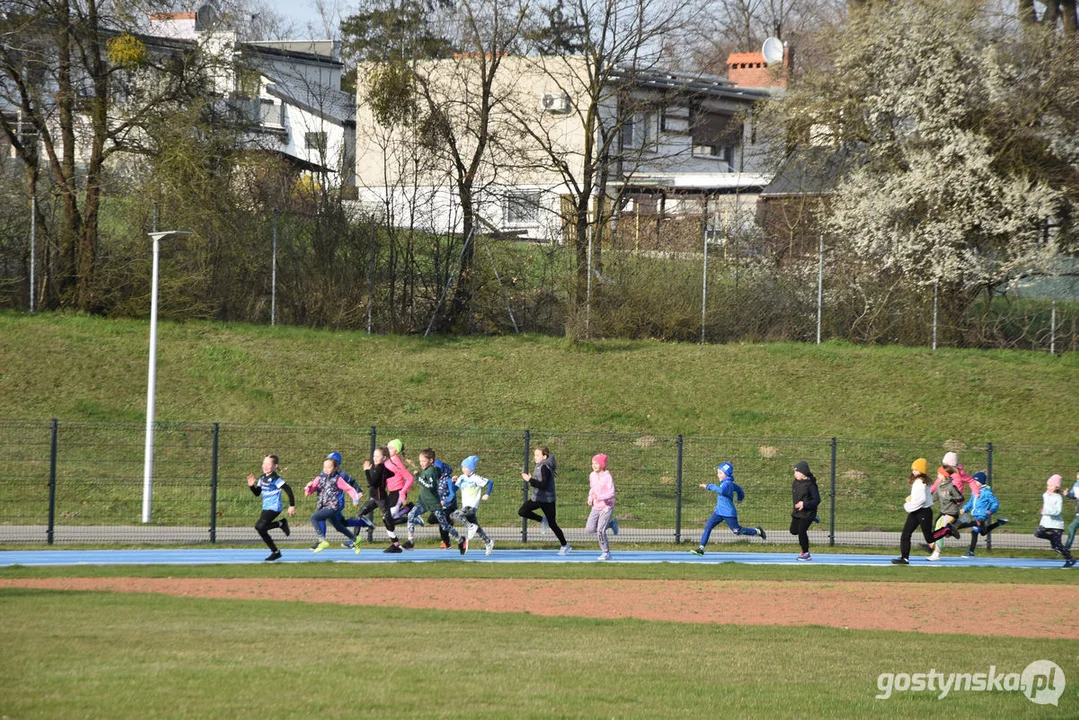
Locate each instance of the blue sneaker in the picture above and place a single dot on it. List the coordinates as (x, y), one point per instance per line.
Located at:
(614, 525)
(804, 557)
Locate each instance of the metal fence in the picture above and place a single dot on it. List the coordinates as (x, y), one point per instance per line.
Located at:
(81, 481)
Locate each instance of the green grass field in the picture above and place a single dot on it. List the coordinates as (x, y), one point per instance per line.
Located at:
(97, 654)
(77, 367)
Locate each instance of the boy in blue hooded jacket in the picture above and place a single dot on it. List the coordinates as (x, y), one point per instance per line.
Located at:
(725, 510)
(981, 508)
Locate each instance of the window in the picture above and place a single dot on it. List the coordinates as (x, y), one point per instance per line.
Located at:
(521, 208)
(674, 119)
(315, 141)
(638, 131)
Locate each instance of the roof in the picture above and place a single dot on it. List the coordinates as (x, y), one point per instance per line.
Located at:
(332, 105)
(309, 57)
(695, 83)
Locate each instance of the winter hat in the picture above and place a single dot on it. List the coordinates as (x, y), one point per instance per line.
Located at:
(601, 460)
(1053, 483)
(950, 459)
(920, 466)
(803, 467)
(334, 456)
(469, 463)
(727, 469)
(442, 467)
(981, 477)
(396, 445)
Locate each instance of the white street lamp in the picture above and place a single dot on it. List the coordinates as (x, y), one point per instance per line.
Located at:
(148, 459)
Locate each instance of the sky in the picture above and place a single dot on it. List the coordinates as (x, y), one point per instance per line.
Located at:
(302, 13)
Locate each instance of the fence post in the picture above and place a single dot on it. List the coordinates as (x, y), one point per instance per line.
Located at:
(524, 485)
(213, 486)
(989, 482)
(678, 496)
(52, 481)
(831, 521)
(374, 444)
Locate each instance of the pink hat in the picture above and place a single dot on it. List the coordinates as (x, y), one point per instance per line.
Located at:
(1053, 483)
(601, 460)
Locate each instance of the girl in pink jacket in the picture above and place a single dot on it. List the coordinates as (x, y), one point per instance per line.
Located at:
(601, 500)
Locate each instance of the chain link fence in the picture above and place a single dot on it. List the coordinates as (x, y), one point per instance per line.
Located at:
(82, 482)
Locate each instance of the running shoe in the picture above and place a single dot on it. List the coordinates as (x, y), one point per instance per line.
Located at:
(614, 525)
(395, 548)
(935, 556)
(356, 547)
(443, 546)
(462, 545)
(489, 547)
(544, 526)
(968, 553)
(408, 545)
(699, 550)
(604, 557)
(1069, 563)
(321, 545)
(900, 561)
(564, 550)
(472, 528)
(275, 555)
(760, 531)
(285, 528)
(804, 557)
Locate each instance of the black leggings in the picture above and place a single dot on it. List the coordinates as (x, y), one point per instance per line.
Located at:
(385, 505)
(528, 512)
(923, 518)
(800, 527)
(265, 524)
(983, 529)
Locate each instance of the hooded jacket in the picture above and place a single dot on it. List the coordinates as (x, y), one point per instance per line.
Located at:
(726, 490)
(806, 492)
(983, 505)
(542, 480)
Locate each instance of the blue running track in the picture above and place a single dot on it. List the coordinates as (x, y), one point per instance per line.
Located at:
(374, 555)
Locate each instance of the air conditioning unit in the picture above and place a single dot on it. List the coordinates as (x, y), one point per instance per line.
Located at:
(556, 103)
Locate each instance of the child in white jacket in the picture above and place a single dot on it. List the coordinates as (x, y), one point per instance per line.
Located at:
(1052, 524)
(919, 507)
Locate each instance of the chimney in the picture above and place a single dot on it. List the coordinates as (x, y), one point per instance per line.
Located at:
(749, 70)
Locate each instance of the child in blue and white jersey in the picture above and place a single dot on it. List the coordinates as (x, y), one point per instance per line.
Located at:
(473, 488)
(270, 486)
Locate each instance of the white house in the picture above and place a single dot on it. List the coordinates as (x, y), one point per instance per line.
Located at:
(678, 147)
(290, 91)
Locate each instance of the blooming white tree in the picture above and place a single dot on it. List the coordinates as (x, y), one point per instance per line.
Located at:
(935, 195)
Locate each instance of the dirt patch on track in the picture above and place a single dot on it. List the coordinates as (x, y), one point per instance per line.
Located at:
(1014, 610)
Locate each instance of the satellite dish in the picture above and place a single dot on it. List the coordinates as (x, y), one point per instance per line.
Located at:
(772, 51)
(205, 16)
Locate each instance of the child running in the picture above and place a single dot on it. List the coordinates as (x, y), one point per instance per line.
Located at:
(805, 497)
(270, 485)
(1052, 524)
(399, 482)
(919, 507)
(725, 510)
(981, 508)
(378, 476)
(428, 480)
(951, 499)
(329, 484)
(473, 489)
(543, 496)
(356, 522)
(447, 498)
(601, 500)
(1074, 524)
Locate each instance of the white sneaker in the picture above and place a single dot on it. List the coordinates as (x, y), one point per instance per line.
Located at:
(935, 556)
(472, 530)
(544, 526)
(564, 550)
(490, 547)
(604, 556)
